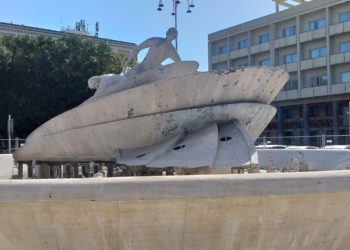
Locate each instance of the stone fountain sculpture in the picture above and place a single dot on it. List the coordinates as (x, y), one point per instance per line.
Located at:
(163, 116)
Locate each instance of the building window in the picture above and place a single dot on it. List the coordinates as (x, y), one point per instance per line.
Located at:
(320, 52)
(318, 81)
(264, 38)
(291, 31)
(287, 113)
(287, 140)
(344, 17)
(329, 110)
(344, 47)
(290, 58)
(301, 112)
(243, 65)
(341, 109)
(345, 77)
(290, 85)
(223, 49)
(243, 44)
(318, 24)
(265, 62)
(329, 132)
(314, 111)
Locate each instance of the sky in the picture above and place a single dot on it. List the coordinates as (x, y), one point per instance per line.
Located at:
(136, 20)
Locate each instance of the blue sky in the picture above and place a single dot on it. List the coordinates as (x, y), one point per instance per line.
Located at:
(136, 20)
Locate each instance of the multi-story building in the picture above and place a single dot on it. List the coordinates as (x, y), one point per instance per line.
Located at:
(118, 46)
(311, 41)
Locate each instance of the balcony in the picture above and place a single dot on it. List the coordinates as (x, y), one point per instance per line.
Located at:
(260, 48)
(238, 53)
(340, 58)
(312, 34)
(290, 67)
(313, 63)
(285, 41)
(339, 28)
(340, 88)
(219, 58)
(314, 91)
(287, 95)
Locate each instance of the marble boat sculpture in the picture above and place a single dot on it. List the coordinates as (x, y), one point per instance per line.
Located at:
(163, 116)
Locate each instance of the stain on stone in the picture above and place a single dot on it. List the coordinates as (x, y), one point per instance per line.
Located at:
(131, 112)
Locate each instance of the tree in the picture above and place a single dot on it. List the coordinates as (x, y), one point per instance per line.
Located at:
(41, 77)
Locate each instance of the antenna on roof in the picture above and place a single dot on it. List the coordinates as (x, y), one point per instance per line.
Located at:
(61, 24)
(97, 28)
(82, 25)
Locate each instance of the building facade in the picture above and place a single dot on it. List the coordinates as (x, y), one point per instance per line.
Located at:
(118, 46)
(311, 41)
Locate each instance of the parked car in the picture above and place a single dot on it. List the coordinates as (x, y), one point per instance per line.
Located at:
(302, 147)
(336, 147)
(269, 146)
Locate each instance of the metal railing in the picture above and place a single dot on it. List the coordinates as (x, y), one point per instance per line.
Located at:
(315, 140)
(15, 144)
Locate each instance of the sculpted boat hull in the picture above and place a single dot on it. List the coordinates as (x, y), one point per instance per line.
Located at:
(255, 84)
(99, 142)
(132, 118)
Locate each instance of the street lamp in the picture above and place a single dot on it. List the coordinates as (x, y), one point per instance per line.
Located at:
(174, 13)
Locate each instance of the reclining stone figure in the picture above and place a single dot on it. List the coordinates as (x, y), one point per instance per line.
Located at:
(160, 49)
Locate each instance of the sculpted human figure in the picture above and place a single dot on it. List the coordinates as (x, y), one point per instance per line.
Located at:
(160, 49)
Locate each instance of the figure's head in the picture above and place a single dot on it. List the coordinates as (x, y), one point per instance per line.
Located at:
(171, 33)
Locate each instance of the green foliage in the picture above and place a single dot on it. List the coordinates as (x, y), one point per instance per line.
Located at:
(41, 77)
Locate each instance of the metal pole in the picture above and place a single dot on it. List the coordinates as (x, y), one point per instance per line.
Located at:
(9, 131)
(176, 25)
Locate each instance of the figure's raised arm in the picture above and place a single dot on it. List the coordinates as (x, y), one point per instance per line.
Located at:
(133, 55)
(173, 55)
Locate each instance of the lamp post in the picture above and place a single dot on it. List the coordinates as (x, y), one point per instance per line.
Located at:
(174, 13)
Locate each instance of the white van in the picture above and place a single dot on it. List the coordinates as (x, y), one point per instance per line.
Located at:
(269, 146)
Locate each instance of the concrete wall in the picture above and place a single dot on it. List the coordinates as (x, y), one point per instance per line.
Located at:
(255, 34)
(216, 45)
(6, 167)
(336, 41)
(238, 61)
(315, 44)
(235, 39)
(6, 164)
(307, 74)
(283, 52)
(259, 57)
(310, 17)
(279, 27)
(337, 70)
(258, 211)
(221, 65)
(317, 159)
(336, 10)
